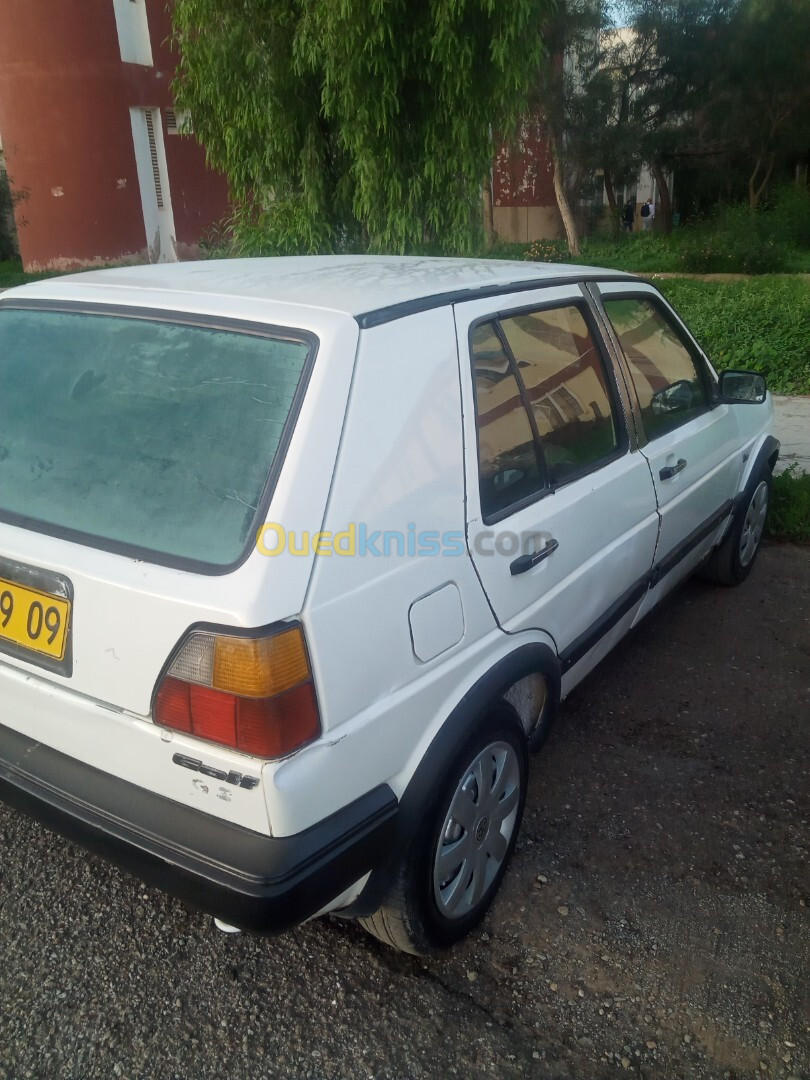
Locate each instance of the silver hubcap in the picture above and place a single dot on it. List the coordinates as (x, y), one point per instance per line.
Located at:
(477, 829)
(754, 523)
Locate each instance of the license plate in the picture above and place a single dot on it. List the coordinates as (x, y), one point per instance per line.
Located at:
(33, 620)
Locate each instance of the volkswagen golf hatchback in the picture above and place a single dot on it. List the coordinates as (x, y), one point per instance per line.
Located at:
(298, 558)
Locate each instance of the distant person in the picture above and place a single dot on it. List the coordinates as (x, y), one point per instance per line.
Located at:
(647, 215)
(628, 215)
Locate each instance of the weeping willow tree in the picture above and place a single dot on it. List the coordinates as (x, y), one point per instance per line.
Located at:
(356, 124)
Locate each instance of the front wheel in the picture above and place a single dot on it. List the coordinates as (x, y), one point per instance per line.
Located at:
(731, 563)
(458, 858)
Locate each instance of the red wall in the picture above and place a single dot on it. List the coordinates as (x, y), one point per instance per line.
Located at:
(65, 97)
(523, 173)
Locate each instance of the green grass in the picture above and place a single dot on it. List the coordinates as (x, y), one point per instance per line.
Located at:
(637, 253)
(683, 251)
(12, 274)
(789, 517)
(760, 323)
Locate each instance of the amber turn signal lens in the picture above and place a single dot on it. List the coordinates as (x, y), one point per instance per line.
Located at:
(261, 667)
(253, 694)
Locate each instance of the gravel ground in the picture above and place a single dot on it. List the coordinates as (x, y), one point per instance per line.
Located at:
(654, 921)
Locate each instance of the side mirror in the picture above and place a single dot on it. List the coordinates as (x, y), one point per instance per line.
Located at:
(673, 398)
(742, 386)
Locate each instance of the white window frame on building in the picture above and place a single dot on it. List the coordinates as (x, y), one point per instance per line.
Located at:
(153, 179)
(132, 24)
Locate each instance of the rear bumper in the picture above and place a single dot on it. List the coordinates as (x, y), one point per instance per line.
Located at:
(253, 881)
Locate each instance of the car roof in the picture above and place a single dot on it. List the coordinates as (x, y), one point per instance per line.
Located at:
(372, 289)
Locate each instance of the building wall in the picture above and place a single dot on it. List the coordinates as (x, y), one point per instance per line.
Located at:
(524, 207)
(65, 100)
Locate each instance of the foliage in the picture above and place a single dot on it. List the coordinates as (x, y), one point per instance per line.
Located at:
(736, 240)
(8, 246)
(668, 64)
(636, 253)
(790, 216)
(733, 240)
(760, 323)
(356, 125)
(567, 101)
(551, 251)
(761, 106)
(284, 227)
(789, 516)
(720, 90)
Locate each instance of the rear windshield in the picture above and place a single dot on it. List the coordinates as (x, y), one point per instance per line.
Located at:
(141, 434)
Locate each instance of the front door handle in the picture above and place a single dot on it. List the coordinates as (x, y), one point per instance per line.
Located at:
(526, 562)
(670, 470)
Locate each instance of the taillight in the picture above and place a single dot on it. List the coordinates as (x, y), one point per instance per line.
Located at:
(252, 694)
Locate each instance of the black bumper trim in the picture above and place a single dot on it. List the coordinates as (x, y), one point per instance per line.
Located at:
(253, 881)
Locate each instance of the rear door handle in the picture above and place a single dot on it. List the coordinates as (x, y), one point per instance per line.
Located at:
(670, 470)
(526, 562)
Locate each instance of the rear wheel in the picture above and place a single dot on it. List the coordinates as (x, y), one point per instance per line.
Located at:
(731, 563)
(462, 846)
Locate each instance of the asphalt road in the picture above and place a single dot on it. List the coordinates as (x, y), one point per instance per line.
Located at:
(654, 922)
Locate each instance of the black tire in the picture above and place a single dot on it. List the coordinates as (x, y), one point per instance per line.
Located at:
(423, 913)
(733, 560)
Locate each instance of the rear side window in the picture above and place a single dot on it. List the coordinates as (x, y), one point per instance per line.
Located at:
(154, 436)
(545, 411)
(510, 466)
(669, 379)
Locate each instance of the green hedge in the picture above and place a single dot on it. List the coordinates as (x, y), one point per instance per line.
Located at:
(761, 323)
(789, 517)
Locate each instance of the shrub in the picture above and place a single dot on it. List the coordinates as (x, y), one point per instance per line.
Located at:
(547, 251)
(504, 249)
(737, 240)
(8, 242)
(285, 227)
(789, 517)
(791, 215)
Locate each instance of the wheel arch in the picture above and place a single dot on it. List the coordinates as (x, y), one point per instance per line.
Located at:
(766, 456)
(480, 700)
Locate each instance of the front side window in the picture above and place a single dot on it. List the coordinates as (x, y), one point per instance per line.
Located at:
(156, 435)
(544, 407)
(667, 376)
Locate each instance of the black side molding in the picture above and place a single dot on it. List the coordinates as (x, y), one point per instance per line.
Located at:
(699, 534)
(617, 610)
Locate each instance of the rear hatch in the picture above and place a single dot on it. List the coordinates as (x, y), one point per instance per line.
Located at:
(140, 451)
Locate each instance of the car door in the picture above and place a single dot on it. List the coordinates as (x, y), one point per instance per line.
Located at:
(691, 442)
(561, 512)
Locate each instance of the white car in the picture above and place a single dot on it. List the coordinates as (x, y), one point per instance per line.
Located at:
(298, 558)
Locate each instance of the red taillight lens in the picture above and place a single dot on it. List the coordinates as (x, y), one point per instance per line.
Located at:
(270, 724)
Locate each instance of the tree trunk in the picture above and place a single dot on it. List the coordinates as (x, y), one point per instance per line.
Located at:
(489, 216)
(663, 191)
(611, 193)
(755, 193)
(562, 199)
